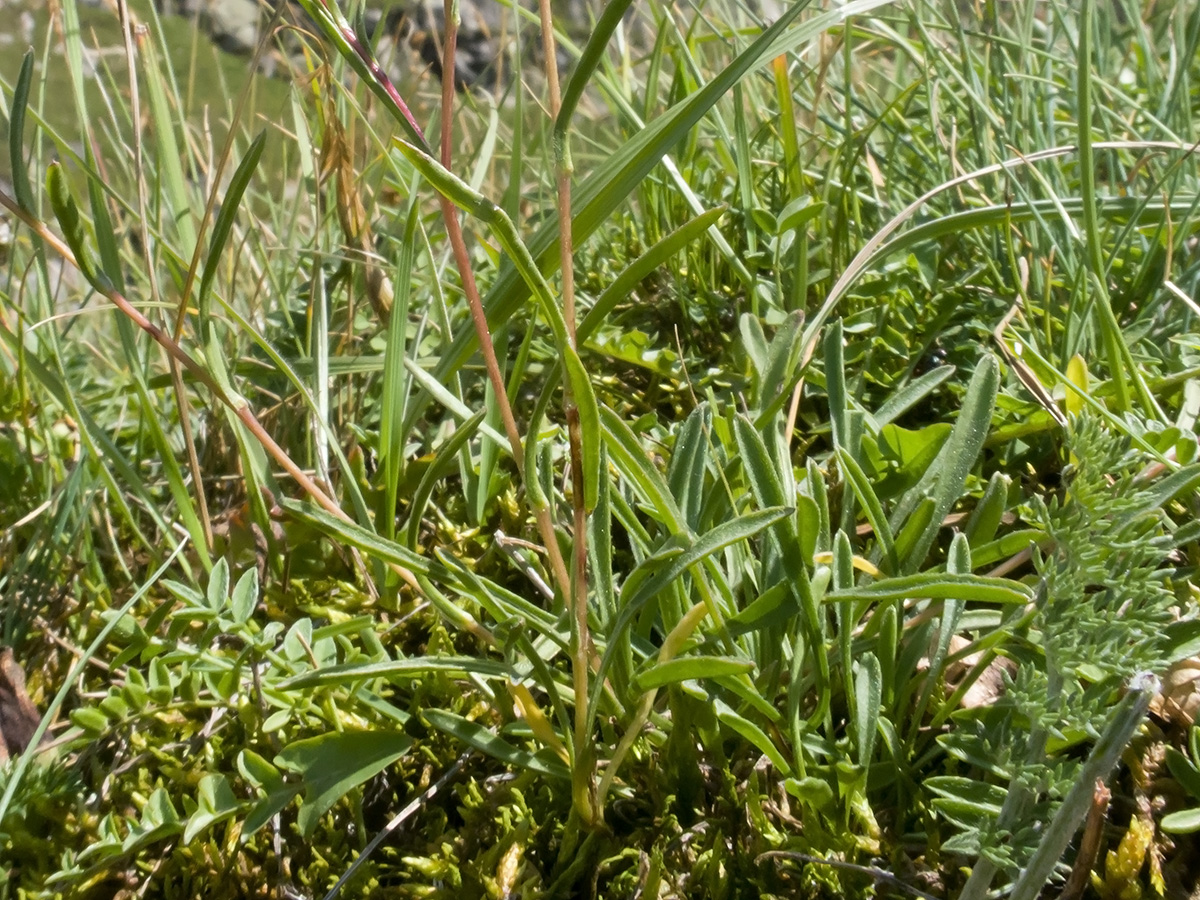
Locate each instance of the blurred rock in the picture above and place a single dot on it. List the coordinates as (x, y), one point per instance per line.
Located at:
(409, 32)
(235, 25)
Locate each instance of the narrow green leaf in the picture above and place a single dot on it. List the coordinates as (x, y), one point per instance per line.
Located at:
(409, 667)
(633, 464)
(775, 606)
(22, 188)
(593, 53)
(835, 385)
(911, 394)
(356, 536)
(689, 460)
(74, 231)
(226, 215)
(153, 426)
(395, 377)
(637, 271)
(948, 474)
(778, 377)
(765, 483)
(1003, 548)
(600, 548)
(916, 525)
(755, 735)
(656, 574)
(652, 577)
(861, 486)
(1184, 481)
(989, 512)
(483, 740)
(868, 692)
(688, 668)
(442, 462)
(451, 403)
(937, 586)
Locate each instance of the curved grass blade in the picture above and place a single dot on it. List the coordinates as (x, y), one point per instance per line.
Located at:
(604, 190)
(880, 246)
(483, 740)
(395, 377)
(689, 461)
(593, 52)
(691, 668)
(630, 459)
(954, 462)
(16, 135)
(441, 464)
(937, 586)
(413, 667)
(861, 486)
(911, 394)
(74, 230)
(755, 735)
(655, 575)
(645, 264)
(226, 215)
(357, 536)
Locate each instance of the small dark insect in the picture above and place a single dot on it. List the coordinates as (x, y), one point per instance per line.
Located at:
(933, 359)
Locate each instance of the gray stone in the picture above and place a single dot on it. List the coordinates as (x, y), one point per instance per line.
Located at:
(233, 24)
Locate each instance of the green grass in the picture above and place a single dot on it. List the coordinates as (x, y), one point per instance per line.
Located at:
(364, 537)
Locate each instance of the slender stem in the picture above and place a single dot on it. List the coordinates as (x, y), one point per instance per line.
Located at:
(449, 48)
(584, 773)
(487, 348)
(237, 404)
(185, 420)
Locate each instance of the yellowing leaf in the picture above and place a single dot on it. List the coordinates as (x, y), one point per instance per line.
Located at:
(527, 708)
(1077, 374)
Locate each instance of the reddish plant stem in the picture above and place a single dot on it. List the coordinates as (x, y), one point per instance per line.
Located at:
(377, 79)
(238, 405)
(458, 244)
(584, 773)
(128, 24)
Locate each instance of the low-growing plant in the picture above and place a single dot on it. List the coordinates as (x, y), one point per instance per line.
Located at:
(532, 632)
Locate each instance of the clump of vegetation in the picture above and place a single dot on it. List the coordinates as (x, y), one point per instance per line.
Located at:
(755, 461)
